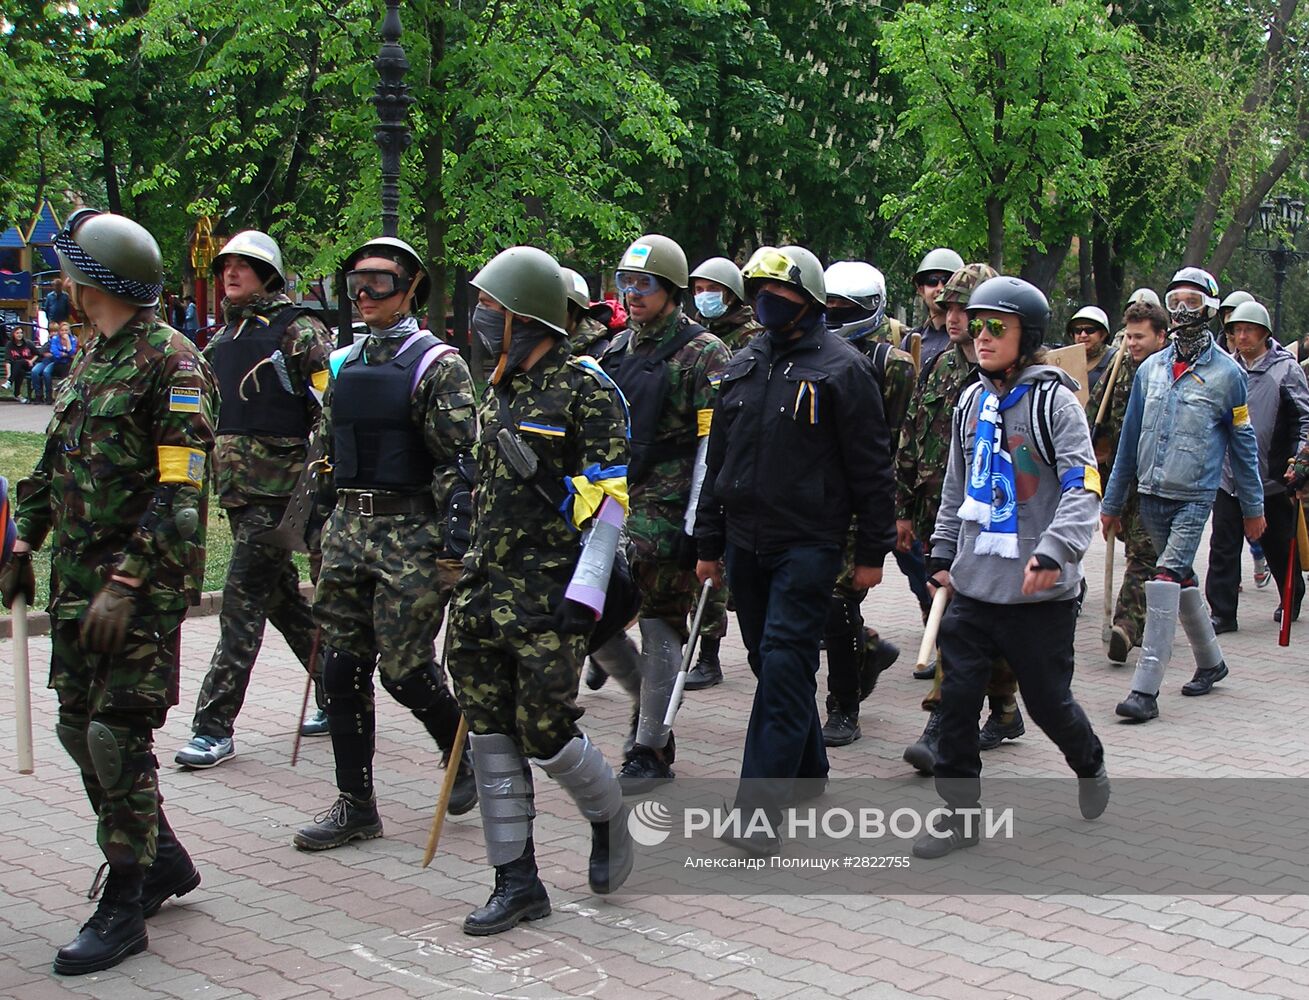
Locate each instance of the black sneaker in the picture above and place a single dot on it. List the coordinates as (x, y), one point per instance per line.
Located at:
(347, 820)
(941, 841)
(1224, 625)
(1205, 679)
(1093, 794)
(997, 730)
(644, 768)
(841, 728)
(1139, 707)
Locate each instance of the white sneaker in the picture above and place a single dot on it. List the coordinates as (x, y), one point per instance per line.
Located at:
(205, 751)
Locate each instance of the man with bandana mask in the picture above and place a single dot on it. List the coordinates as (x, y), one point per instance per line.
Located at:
(799, 444)
(271, 364)
(551, 470)
(1187, 411)
(1017, 514)
(667, 368)
(398, 418)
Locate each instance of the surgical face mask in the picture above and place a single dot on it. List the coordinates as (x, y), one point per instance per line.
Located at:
(710, 305)
(775, 312)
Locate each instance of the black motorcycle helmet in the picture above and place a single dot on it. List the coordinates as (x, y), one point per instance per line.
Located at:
(1020, 298)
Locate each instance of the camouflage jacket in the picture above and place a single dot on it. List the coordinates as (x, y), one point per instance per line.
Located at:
(896, 378)
(125, 449)
(925, 441)
(249, 468)
(655, 523)
(590, 338)
(522, 546)
(1105, 439)
(734, 328)
(443, 405)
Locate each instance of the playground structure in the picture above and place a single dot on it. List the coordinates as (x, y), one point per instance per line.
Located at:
(27, 266)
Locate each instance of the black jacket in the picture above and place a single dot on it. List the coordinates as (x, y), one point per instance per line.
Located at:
(798, 444)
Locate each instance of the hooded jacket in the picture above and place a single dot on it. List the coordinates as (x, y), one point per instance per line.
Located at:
(1278, 398)
(1053, 521)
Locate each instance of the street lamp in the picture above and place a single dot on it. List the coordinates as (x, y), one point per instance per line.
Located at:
(392, 101)
(1280, 221)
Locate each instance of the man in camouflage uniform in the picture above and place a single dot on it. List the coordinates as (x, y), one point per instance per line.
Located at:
(667, 368)
(856, 312)
(719, 292)
(588, 323)
(119, 489)
(398, 418)
(550, 462)
(1145, 332)
(920, 474)
(271, 364)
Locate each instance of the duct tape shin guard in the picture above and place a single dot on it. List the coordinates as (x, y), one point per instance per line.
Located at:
(622, 662)
(1199, 629)
(1161, 599)
(584, 773)
(504, 792)
(661, 659)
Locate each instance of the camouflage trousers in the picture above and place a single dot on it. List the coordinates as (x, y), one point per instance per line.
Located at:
(512, 672)
(667, 592)
(262, 586)
(714, 623)
(383, 589)
(1129, 611)
(129, 694)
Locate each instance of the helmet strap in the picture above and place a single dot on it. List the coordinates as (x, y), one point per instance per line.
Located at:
(504, 349)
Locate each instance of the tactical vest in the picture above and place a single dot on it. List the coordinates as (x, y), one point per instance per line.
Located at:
(376, 443)
(268, 409)
(643, 381)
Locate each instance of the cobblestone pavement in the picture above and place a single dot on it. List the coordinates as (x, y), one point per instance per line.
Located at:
(367, 921)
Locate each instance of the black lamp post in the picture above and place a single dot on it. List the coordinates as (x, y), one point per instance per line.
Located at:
(1279, 222)
(392, 101)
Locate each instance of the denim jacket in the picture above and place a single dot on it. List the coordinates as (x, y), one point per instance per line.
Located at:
(1182, 428)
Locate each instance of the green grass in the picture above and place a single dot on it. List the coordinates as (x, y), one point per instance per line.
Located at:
(19, 452)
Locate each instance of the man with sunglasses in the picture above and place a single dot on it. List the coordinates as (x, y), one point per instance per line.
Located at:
(667, 367)
(271, 362)
(398, 420)
(932, 274)
(1017, 513)
(1187, 412)
(119, 490)
(1089, 326)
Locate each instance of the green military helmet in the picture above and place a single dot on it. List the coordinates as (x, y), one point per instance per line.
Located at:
(1231, 302)
(960, 285)
(790, 265)
(723, 271)
(257, 246)
(657, 255)
(112, 253)
(941, 259)
(399, 251)
(579, 291)
(1251, 311)
(529, 283)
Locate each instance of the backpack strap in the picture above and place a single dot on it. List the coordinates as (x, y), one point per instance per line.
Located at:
(1042, 404)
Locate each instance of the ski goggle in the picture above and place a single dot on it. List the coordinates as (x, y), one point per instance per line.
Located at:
(771, 264)
(992, 327)
(377, 285)
(1188, 298)
(636, 282)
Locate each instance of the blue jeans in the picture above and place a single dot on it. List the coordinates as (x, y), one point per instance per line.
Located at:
(782, 600)
(1175, 527)
(43, 377)
(914, 567)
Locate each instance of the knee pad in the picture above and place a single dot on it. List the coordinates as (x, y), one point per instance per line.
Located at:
(344, 675)
(420, 691)
(74, 739)
(118, 751)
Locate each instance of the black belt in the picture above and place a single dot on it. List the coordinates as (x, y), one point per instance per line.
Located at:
(370, 504)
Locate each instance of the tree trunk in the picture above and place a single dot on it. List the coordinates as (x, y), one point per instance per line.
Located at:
(1106, 263)
(995, 232)
(1085, 285)
(1042, 268)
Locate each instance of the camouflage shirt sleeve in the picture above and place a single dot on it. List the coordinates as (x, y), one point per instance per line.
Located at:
(906, 457)
(445, 408)
(900, 380)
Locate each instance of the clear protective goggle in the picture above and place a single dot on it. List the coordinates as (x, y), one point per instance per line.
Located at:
(377, 285)
(636, 282)
(1188, 298)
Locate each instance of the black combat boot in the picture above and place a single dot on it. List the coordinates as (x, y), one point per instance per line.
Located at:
(612, 854)
(842, 726)
(878, 655)
(115, 930)
(997, 730)
(595, 675)
(172, 873)
(707, 671)
(518, 895)
(463, 796)
(922, 755)
(644, 768)
(348, 819)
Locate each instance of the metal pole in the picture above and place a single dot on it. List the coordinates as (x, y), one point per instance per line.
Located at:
(392, 101)
(1279, 256)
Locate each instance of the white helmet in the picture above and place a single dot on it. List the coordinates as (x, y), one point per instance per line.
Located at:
(861, 283)
(1094, 314)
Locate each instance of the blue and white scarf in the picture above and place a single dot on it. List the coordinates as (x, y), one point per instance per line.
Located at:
(992, 496)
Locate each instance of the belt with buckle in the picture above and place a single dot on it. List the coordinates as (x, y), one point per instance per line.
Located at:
(369, 504)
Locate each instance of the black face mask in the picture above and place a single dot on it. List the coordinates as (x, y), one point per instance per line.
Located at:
(776, 313)
(489, 326)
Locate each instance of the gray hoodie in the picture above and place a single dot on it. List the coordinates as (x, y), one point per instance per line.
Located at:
(1277, 394)
(1052, 521)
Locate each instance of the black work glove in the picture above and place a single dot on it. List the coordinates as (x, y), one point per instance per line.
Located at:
(684, 552)
(17, 579)
(572, 618)
(104, 626)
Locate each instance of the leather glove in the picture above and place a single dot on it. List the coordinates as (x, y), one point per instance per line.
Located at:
(104, 626)
(17, 579)
(572, 618)
(684, 551)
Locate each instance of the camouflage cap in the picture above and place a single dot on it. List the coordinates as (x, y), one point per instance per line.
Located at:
(960, 286)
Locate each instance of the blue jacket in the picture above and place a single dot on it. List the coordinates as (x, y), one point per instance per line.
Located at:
(1181, 430)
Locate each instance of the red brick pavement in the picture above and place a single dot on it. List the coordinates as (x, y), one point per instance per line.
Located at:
(366, 921)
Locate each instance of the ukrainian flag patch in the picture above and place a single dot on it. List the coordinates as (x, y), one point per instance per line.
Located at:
(183, 400)
(532, 427)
